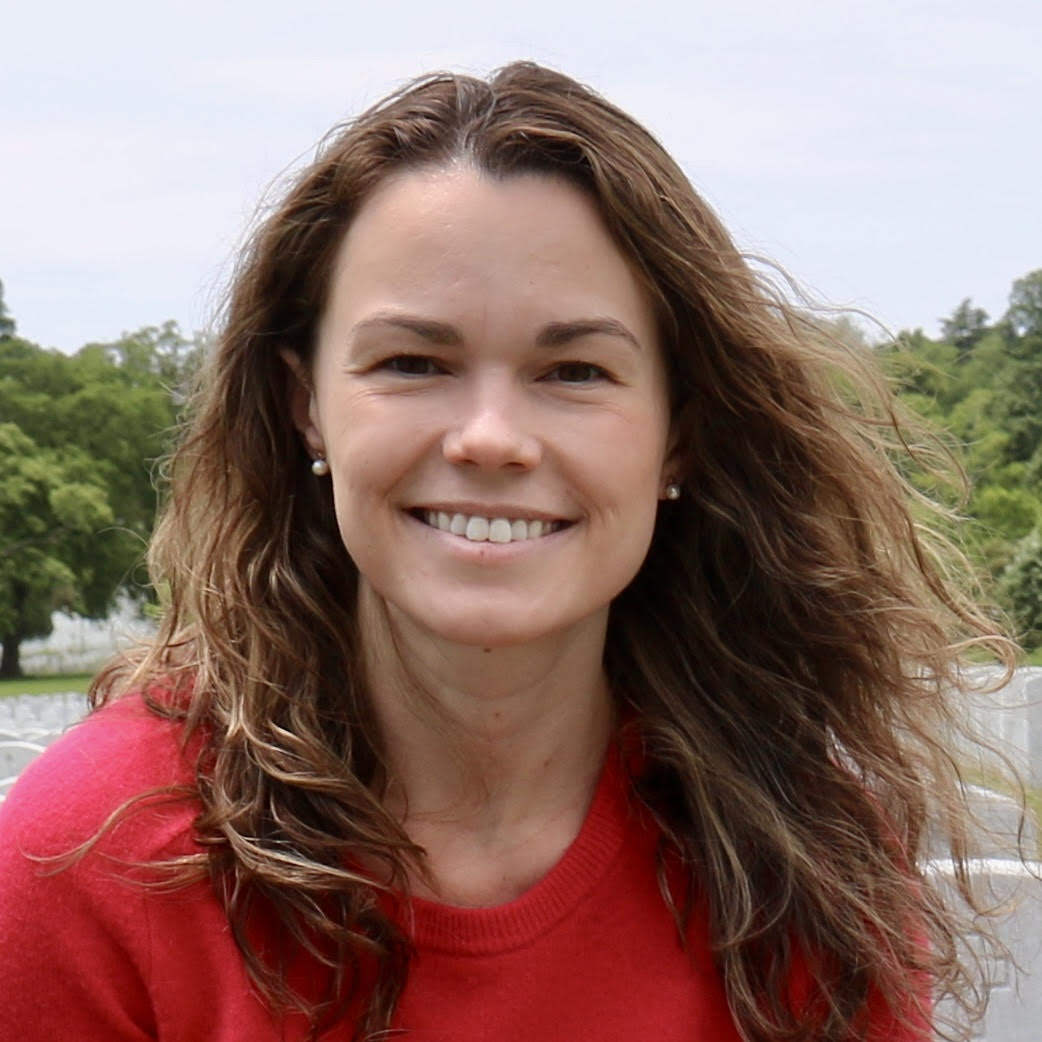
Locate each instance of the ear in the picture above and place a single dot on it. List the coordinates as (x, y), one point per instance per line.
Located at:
(301, 401)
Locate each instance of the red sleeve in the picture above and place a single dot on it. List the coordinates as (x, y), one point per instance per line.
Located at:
(66, 967)
(74, 944)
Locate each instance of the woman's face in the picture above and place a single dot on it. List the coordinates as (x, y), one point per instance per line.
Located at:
(490, 395)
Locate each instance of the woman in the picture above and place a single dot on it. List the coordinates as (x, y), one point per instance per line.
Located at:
(552, 648)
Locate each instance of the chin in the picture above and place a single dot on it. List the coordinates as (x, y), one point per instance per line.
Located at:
(505, 626)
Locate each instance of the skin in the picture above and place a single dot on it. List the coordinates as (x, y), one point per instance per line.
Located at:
(487, 350)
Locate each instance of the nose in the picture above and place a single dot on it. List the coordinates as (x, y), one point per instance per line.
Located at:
(493, 431)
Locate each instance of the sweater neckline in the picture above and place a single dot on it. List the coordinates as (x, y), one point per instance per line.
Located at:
(500, 928)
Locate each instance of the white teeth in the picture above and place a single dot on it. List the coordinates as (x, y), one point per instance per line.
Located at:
(477, 529)
(499, 530)
(480, 529)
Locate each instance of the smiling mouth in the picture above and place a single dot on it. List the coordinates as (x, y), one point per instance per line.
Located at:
(480, 529)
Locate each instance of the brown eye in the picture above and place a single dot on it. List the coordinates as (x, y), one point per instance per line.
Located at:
(577, 373)
(412, 365)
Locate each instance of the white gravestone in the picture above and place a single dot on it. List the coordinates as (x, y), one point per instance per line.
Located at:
(1014, 1012)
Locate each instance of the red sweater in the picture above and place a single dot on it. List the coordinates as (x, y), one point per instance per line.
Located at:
(590, 952)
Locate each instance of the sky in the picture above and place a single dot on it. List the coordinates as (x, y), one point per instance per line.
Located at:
(887, 154)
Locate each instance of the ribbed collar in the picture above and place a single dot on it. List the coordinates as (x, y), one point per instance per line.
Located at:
(488, 931)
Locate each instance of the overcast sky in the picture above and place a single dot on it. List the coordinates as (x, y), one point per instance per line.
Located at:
(887, 153)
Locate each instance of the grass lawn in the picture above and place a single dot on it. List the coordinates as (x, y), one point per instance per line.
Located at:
(46, 685)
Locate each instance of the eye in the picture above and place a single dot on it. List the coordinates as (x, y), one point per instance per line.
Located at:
(577, 373)
(411, 365)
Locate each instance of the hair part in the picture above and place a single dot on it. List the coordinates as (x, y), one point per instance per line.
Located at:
(791, 650)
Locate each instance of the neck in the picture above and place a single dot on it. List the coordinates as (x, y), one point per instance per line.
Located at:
(487, 749)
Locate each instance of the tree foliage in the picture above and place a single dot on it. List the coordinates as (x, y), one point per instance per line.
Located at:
(1021, 586)
(7, 327)
(1025, 306)
(983, 383)
(964, 327)
(78, 437)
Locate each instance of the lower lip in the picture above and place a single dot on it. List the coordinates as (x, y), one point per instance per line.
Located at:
(484, 550)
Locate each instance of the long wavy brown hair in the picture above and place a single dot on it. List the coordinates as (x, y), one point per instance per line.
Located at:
(790, 654)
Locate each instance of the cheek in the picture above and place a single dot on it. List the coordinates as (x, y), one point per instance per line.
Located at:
(637, 452)
(352, 533)
(630, 504)
(359, 443)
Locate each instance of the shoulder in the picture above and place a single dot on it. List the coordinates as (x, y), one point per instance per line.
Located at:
(119, 753)
(75, 920)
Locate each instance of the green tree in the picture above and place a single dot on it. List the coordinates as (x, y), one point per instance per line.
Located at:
(1025, 305)
(7, 327)
(984, 443)
(1018, 403)
(982, 385)
(51, 509)
(1022, 588)
(76, 497)
(987, 360)
(964, 328)
(1004, 516)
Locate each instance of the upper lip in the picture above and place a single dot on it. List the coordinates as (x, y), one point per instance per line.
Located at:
(512, 512)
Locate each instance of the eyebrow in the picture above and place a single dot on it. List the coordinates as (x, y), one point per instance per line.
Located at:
(557, 334)
(440, 333)
(554, 334)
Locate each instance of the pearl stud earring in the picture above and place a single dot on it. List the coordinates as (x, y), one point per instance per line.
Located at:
(673, 491)
(319, 467)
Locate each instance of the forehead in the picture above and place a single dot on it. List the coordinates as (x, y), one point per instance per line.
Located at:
(443, 239)
(459, 196)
